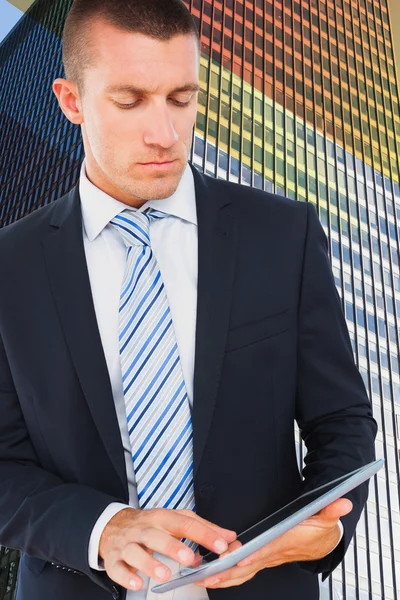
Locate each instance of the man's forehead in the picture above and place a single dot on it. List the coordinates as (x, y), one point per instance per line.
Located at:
(135, 89)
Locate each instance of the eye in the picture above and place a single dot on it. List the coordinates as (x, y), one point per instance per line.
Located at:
(124, 106)
(127, 106)
(181, 103)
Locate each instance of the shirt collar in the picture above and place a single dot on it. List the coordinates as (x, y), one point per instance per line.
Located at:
(98, 208)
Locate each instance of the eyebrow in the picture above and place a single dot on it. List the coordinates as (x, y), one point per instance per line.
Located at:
(132, 89)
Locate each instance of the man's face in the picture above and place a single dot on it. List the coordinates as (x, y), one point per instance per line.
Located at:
(124, 129)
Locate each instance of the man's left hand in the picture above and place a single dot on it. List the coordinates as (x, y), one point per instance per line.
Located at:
(312, 539)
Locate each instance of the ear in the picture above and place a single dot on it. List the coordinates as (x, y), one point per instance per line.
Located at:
(68, 99)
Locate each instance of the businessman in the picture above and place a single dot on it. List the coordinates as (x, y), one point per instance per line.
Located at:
(161, 331)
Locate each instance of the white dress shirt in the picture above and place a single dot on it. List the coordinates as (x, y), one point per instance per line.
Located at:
(174, 243)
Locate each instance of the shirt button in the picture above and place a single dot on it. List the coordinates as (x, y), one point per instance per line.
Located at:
(115, 593)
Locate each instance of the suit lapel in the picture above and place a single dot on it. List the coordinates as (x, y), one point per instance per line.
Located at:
(217, 235)
(69, 279)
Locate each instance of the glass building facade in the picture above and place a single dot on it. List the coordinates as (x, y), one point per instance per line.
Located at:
(298, 97)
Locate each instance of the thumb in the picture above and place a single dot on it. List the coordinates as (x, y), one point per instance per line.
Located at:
(335, 510)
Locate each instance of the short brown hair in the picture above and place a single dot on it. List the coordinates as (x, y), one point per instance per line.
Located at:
(159, 19)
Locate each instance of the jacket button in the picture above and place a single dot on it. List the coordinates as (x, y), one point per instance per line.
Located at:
(115, 593)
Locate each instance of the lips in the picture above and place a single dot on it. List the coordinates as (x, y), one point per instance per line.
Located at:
(154, 162)
(159, 167)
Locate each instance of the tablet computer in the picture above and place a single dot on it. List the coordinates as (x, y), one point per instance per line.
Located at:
(273, 526)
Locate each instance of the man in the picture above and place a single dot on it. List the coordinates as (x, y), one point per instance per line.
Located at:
(160, 332)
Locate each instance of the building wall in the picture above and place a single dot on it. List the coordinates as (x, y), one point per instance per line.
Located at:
(394, 13)
(298, 97)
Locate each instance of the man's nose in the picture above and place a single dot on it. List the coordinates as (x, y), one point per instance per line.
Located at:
(159, 128)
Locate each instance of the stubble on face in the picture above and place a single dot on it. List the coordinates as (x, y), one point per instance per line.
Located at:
(132, 184)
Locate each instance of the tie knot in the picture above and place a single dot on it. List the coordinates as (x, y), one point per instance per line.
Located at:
(134, 226)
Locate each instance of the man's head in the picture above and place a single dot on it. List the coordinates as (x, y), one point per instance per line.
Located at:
(131, 66)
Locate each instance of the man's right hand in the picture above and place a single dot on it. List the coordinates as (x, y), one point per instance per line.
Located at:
(132, 535)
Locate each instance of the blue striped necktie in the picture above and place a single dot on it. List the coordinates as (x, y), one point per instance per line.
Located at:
(156, 402)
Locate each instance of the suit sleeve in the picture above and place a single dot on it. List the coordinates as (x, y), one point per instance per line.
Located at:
(333, 410)
(40, 514)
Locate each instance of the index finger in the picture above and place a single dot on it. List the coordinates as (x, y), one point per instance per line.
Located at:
(196, 529)
(228, 534)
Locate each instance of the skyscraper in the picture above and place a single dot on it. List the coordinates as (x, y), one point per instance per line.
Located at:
(299, 97)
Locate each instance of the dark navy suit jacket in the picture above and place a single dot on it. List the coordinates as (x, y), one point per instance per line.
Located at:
(271, 347)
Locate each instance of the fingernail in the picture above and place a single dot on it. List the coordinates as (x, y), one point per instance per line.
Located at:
(161, 573)
(212, 581)
(220, 545)
(134, 584)
(184, 556)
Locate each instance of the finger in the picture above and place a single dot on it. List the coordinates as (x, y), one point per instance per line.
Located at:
(228, 575)
(228, 534)
(232, 573)
(194, 529)
(277, 547)
(162, 542)
(122, 574)
(273, 547)
(231, 582)
(198, 560)
(251, 559)
(135, 556)
(335, 510)
(232, 546)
